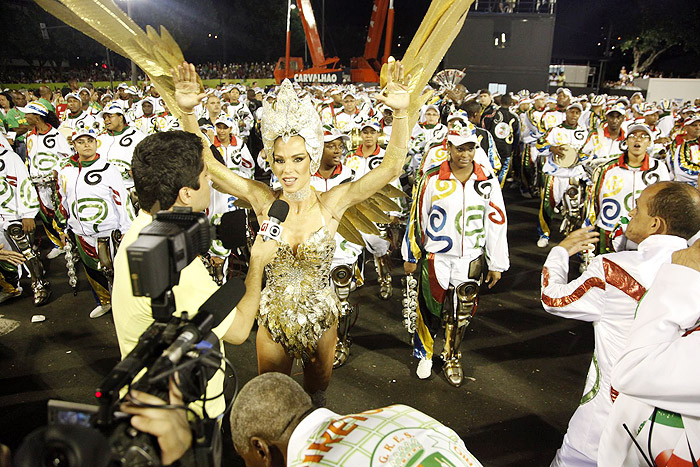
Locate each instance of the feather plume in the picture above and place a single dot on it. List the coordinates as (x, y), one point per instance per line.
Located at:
(102, 20)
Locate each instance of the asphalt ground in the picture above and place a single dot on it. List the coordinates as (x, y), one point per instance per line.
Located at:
(524, 369)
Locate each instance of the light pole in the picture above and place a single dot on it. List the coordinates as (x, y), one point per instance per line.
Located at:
(134, 81)
(288, 40)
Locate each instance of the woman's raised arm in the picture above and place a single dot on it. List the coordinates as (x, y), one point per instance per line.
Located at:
(395, 95)
(188, 97)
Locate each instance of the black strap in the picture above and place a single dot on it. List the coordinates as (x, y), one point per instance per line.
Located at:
(690, 450)
(639, 448)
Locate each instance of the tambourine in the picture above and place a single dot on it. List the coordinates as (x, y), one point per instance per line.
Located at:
(568, 158)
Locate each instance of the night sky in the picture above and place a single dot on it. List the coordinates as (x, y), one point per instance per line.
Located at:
(580, 32)
(253, 30)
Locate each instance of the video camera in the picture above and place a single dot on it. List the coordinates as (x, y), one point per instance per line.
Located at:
(81, 434)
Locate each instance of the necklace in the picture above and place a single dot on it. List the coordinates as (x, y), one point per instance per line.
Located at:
(300, 195)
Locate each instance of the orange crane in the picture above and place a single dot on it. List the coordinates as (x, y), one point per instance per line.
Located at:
(324, 69)
(327, 70)
(366, 69)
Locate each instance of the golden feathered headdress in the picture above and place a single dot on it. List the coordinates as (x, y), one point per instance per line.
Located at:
(291, 116)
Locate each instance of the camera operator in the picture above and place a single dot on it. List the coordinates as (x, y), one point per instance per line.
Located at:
(169, 172)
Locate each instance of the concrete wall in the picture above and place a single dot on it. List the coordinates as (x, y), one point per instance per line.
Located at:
(522, 64)
(670, 88)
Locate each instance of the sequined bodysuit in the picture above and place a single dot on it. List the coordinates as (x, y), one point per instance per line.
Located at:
(298, 304)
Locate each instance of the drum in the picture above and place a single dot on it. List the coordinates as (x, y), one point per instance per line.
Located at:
(568, 158)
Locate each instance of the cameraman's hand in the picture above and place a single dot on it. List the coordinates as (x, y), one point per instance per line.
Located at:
(168, 425)
(263, 252)
(11, 256)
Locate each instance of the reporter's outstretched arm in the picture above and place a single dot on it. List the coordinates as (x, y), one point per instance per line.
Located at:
(247, 309)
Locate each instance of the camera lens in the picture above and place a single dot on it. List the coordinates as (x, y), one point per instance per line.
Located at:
(56, 456)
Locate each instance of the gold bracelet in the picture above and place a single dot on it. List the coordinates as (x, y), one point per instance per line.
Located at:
(187, 113)
(398, 117)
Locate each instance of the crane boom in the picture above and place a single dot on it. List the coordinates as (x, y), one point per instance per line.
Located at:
(308, 21)
(376, 26)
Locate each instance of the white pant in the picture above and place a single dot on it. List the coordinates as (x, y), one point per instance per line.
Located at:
(567, 456)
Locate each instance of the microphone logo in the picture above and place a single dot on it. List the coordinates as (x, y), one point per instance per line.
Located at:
(271, 230)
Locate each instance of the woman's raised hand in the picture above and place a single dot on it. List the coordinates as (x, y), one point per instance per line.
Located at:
(396, 93)
(187, 87)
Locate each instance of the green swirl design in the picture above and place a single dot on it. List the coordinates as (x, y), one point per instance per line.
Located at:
(98, 204)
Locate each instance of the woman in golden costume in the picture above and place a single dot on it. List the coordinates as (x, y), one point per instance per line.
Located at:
(298, 310)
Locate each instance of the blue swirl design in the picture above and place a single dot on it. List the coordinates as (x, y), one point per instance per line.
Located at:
(609, 211)
(436, 222)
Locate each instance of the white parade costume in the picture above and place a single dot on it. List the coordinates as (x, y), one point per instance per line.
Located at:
(46, 153)
(615, 190)
(93, 197)
(118, 148)
(657, 370)
(606, 294)
(684, 163)
(600, 144)
(84, 120)
(460, 221)
(18, 198)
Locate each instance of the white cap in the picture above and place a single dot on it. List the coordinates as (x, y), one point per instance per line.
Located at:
(36, 108)
(111, 108)
(331, 133)
(566, 91)
(458, 115)
(692, 119)
(639, 127)
(84, 131)
(225, 120)
(619, 107)
(371, 124)
(461, 135)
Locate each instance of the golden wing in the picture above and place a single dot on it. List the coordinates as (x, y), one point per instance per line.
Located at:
(362, 216)
(105, 22)
(437, 31)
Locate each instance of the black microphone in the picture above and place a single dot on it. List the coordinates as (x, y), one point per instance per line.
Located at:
(271, 228)
(231, 230)
(211, 313)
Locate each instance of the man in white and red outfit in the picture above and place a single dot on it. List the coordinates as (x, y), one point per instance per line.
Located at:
(607, 294)
(656, 374)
